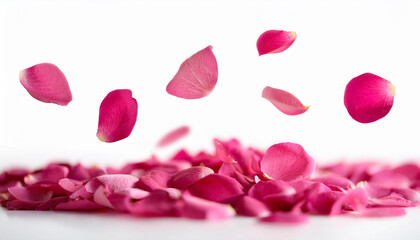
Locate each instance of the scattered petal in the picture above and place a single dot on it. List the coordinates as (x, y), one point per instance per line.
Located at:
(187, 177)
(287, 162)
(284, 101)
(31, 194)
(196, 77)
(275, 41)
(154, 180)
(248, 206)
(113, 182)
(286, 217)
(199, 208)
(78, 205)
(117, 116)
(173, 136)
(383, 212)
(46, 83)
(369, 98)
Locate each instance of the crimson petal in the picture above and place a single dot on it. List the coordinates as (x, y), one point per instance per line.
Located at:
(275, 41)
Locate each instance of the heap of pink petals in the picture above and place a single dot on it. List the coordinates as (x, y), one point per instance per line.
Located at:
(279, 185)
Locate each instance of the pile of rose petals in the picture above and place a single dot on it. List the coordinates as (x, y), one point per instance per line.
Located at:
(279, 185)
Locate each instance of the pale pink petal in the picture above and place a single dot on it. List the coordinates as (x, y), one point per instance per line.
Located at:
(390, 179)
(284, 101)
(196, 77)
(199, 208)
(173, 136)
(286, 217)
(369, 98)
(117, 116)
(113, 182)
(133, 193)
(70, 184)
(383, 212)
(160, 202)
(187, 177)
(101, 197)
(154, 180)
(251, 207)
(287, 162)
(46, 83)
(392, 200)
(31, 194)
(275, 41)
(355, 199)
(217, 188)
(78, 205)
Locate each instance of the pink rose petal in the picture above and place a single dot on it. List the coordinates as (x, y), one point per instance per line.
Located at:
(335, 182)
(383, 212)
(78, 205)
(222, 153)
(113, 182)
(160, 202)
(52, 203)
(369, 98)
(390, 179)
(31, 194)
(248, 206)
(275, 41)
(154, 180)
(287, 162)
(101, 197)
(284, 101)
(187, 177)
(217, 188)
(355, 199)
(199, 208)
(196, 77)
(117, 116)
(51, 174)
(46, 83)
(173, 136)
(70, 184)
(286, 217)
(262, 189)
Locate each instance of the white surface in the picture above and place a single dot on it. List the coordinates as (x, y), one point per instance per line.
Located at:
(106, 45)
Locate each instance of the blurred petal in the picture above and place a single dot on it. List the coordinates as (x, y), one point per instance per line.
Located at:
(217, 188)
(78, 205)
(369, 98)
(383, 212)
(53, 173)
(173, 136)
(284, 101)
(154, 180)
(222, 153)
(31, 194)
(46, 83)
(70, 184)
(196, 77)
(355, 199)
(335, 182)
(286, 217)
(248, 206)
(160, 202)
(113, 182)
(262, 189)
(275, 41)
(187, 177)
(287, 162)
(117, 116)
(199, 208)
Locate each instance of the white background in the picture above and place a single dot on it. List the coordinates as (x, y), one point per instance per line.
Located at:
(105, 45)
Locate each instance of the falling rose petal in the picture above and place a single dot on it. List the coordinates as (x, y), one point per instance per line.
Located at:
(199, 208)
(275, 41)
(173, 136)
(369, 98)
(284, 101)
(31, 194)
(383, 212)
(251, 207)
(217, 188)
(113, 182)
(117, 116)
(286, 217)
(187, 177)
(46, 83)
(287, 162)
(196, 77)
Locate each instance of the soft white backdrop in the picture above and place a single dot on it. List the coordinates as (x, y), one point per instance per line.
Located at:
(107, 45)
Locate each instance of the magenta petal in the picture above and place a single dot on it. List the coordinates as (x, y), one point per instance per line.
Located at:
(369, 98)
(46, 83)
(217, 188)
(275, 41)
(393, 200)
(154, 180)
(322, 203)
(383, 212)
(173, 136)
(187, 177)
(31, 194)
(286, 217)
(78, 205)
(199, 208)
(53, 173)
(221, 152)
(287, 162)
(52, 203)
(262, 189)
(252, 207)
(160, 202)
(390, 179)
(113, 182)
(196, 77)
(117, 116)
(70, 184)
(284, 101)
(355, 199)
